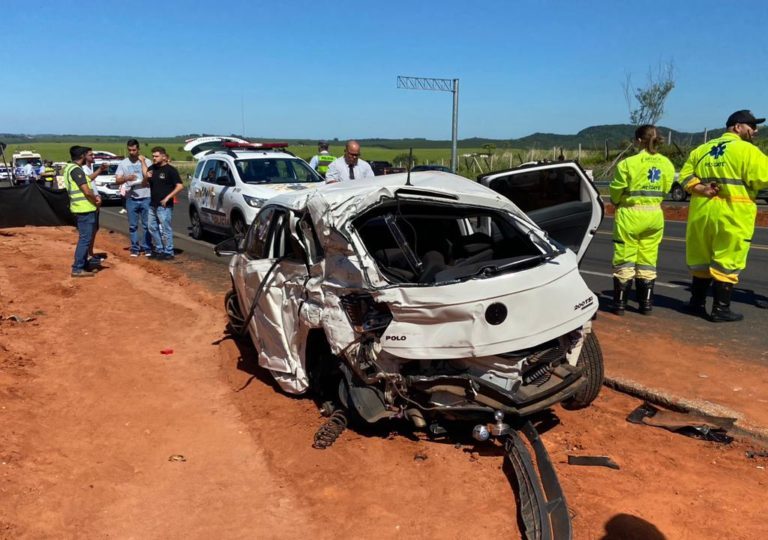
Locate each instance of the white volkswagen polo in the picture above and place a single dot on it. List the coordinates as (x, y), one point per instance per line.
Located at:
(429, 297)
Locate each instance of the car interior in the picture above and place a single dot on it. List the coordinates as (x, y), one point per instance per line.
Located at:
(435, 243)
(552, 198)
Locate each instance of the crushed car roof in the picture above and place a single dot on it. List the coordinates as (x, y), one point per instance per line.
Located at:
(348, 198)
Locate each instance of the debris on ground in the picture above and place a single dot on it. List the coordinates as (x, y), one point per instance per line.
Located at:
(330, 430)
(421, 455)
(166, 352)
(593, 461)
(752, 454)
(691, 424)
(177, 458)
(17, 318)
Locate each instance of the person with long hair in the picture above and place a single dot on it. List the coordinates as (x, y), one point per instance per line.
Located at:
(639, 186)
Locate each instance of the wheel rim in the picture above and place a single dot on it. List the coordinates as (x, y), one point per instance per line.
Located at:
(238, 226)
(236, 319)
(195, 221)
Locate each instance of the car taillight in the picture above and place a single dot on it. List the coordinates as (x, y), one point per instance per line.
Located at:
(365, 314)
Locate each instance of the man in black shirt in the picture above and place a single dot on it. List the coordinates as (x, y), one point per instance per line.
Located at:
(164, 184)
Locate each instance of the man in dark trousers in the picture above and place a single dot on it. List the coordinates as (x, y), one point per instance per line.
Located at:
(164, 184)
(83, 204)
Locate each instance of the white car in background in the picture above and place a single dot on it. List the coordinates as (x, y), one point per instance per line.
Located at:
(105, 184)
(234, 178)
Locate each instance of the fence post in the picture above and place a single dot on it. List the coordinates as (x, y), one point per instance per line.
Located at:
(579, 155)
(669, 138)
(606, 149)
(705, 134)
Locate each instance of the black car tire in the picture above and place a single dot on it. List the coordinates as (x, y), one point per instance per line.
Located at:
(677, 193)
(591, 360)
(234, 315)
(239, 227)
(195, 226)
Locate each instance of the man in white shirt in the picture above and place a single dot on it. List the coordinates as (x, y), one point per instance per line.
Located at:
(349, 166)
(129, 174)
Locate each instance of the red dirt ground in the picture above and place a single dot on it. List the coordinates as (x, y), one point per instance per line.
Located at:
(91, 413)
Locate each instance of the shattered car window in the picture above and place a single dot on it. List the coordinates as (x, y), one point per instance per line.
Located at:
(432, 243)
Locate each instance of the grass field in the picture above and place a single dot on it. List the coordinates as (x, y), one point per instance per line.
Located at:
(468, 166)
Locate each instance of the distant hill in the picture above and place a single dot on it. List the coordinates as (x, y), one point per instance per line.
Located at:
(591, 138)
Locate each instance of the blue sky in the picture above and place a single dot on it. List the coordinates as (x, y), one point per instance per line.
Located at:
(299, 69)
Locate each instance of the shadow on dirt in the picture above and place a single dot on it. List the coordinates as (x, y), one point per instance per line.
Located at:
(627, 527)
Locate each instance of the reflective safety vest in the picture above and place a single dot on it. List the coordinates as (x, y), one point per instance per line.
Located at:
(642, 180)
(323, 161)
(78, 203)
(50, 174)
(738, 168)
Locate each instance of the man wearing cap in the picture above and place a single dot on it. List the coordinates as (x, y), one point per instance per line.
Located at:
(349, 166)
(723, 177)
(322, 160)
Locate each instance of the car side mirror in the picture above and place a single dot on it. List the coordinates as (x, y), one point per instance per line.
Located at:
(227, 248)
(225, 181)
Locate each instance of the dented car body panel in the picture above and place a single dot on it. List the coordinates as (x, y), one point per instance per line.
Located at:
(432, 293)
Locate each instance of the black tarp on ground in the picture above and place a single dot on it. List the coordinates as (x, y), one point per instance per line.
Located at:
(33, 205)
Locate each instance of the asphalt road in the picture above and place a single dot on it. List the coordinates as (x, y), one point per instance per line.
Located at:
(671, 291)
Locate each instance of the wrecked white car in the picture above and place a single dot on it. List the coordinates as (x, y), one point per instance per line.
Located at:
(431, 298)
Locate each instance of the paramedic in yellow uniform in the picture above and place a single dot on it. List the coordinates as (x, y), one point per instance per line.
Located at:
(639, 186)
(723, 177)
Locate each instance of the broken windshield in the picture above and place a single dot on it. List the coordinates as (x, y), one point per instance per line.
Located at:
(417, 242)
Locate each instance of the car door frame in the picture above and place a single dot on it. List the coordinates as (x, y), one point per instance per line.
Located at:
(279, 281)
(588, 196)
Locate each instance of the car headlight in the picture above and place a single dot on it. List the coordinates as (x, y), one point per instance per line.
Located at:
(256, 202)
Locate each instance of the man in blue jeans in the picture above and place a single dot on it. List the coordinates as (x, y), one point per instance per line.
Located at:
(137, 195)
(83, 204)
(164, 184)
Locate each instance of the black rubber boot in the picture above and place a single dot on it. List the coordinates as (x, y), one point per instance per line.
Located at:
(698, 303)
(645, 295)
(620, 291)
(721, 309)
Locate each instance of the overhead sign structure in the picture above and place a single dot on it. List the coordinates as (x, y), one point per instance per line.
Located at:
(439, 85)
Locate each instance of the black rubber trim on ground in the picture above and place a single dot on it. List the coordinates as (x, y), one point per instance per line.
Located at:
(543, 511)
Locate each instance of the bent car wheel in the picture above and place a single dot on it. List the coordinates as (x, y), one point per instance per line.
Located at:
(591, 359)
(195, 227)
(236, 319)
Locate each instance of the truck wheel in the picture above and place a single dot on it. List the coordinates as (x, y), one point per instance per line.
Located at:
(677, 193)
(591, 360)
(195, 227)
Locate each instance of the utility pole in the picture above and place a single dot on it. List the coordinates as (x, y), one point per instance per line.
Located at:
(440, 85)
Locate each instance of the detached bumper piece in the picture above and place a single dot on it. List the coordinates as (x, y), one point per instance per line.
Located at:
(543, 512)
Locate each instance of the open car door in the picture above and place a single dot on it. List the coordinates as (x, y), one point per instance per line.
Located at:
(558, 197)
(199, 146)
(269, 278)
